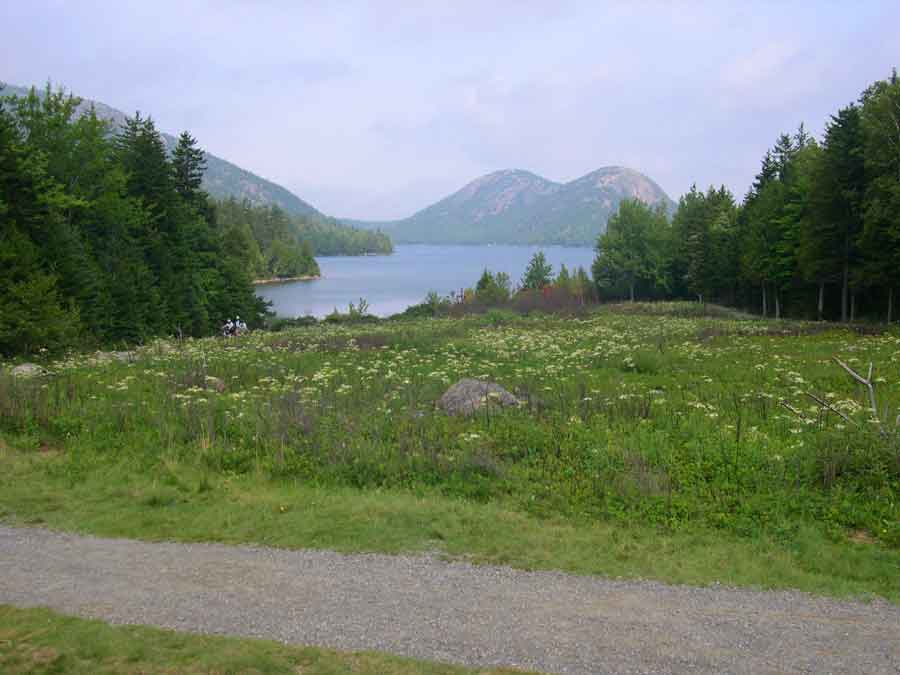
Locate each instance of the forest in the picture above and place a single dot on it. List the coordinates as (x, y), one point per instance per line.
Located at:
(108, 238)
(816, 236)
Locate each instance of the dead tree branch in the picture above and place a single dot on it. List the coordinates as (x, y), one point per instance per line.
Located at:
(826, 404)
(869, 385)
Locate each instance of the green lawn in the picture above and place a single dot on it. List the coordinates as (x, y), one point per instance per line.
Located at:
(41, 641)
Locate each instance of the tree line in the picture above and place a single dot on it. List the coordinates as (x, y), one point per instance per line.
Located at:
(816, 236)
(106, 237)
(272, 248)
(281, 245)
(539, 289)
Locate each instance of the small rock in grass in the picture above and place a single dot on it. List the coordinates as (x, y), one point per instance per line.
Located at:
(469, 395)
(28, 370)
(123, 357)
(215, 383)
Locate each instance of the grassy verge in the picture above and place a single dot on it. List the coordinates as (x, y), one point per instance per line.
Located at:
(41, 641)
(181, 503)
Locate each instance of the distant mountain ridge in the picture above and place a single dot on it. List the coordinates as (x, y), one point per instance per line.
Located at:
(513, 206)
(222, 179)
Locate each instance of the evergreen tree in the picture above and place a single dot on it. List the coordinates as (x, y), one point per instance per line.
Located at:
(492, 289)
(563, 279)
(880, 239)
(109, 235)
(724, 253)
(538, 274)
(142, 154)
(188, 167)
(33, 314)
(837, 201)
(692, 226)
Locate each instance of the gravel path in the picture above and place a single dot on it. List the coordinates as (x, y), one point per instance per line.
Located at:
(426, 608)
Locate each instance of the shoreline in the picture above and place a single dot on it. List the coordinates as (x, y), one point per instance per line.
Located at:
(281, 280)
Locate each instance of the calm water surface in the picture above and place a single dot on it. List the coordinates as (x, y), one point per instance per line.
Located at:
(392, 283)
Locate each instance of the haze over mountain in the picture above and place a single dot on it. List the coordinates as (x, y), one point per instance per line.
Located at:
(222, 179)
(518, 207)
(509, 206)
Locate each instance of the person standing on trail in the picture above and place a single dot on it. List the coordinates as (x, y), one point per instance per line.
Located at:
(228, 328)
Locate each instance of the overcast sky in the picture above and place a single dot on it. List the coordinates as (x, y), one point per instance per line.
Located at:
(376, 109)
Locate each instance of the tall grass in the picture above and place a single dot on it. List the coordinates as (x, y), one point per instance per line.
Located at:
(644, 417)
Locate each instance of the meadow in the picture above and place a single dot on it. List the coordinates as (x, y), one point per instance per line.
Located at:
(666, 440)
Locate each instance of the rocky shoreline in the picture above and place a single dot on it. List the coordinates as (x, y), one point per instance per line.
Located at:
(281, 280)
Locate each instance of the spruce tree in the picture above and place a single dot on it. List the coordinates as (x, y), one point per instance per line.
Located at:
(880, 238)
(188, 167)
(837, 200)
(538, 274)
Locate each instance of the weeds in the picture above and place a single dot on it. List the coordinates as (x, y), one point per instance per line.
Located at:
(628, 417)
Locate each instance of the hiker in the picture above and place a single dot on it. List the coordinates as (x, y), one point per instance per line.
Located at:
(228, 328)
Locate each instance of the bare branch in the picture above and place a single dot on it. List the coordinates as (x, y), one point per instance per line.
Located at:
(867, 383)
(826, 404)
(794, 410)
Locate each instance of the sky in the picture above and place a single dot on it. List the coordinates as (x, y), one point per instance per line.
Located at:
(374, 110)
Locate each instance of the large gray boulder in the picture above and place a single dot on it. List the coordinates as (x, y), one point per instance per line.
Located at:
(27, 370)
(468, 396)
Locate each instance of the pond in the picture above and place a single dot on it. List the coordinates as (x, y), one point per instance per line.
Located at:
(392, 283)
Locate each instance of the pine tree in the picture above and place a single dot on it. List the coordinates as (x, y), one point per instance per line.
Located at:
(563, 279)
(836, 201)
(538, 274)
(188, 167)
(880, 238)
(692, 226)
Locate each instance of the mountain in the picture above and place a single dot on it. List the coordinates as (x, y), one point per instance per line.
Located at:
(222, 180)
(519, 207)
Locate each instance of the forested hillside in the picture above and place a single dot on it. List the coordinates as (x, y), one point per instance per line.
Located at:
(108, 236)
(273, 246)
(317, 236)
(222, 180)
(817, 235)
(331, 237)
(225, 181)
(104, 238)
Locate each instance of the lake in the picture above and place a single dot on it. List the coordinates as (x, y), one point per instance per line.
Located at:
(392, 283)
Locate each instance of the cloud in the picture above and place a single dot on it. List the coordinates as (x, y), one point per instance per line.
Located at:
(759, 66)
(373, 110)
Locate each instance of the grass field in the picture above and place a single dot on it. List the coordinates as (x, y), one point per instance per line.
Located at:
(41, 641)
(653, 441)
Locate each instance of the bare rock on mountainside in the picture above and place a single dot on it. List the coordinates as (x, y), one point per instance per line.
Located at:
(518, 207)
(469, 395)
(25, 370)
